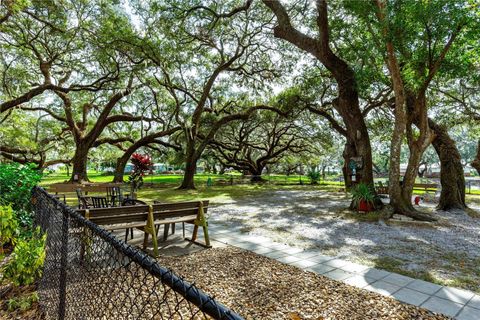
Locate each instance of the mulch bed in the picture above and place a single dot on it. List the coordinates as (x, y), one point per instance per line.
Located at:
(254, 286)
(258, 287)
(8, 292)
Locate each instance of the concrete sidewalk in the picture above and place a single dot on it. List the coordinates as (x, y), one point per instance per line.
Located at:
(457, 303)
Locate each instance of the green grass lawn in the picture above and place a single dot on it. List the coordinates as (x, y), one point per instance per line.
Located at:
(173, 180)
(94, 176)
(163, 187)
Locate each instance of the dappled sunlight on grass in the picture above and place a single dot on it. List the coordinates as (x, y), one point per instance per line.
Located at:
(216, 194)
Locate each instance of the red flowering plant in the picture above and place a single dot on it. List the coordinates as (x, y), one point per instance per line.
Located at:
(141, 164)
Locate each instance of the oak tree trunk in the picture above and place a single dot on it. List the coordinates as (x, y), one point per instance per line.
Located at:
(222, 169)
(256, 174)
(452, 176)
(476, 162)
(190, 166)
(358, 146)
(417, 108)
(188, 178)
(79, 162)
(120, 167)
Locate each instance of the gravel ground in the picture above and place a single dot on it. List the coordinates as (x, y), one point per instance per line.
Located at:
(445, 251)
(258, 287)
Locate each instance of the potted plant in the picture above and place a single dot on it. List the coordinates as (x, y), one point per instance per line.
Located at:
(363, 197)
(141, 164)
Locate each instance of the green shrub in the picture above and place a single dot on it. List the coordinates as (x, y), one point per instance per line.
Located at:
(8, 226)
(23, 303)
(16, 183)
(27, 260)
(314, 176)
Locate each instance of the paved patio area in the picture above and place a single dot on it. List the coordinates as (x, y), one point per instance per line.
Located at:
(457, 303)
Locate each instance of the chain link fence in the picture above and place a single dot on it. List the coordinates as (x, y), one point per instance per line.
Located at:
(90, 274)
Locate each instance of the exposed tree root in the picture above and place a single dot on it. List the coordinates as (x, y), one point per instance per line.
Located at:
(417, 215)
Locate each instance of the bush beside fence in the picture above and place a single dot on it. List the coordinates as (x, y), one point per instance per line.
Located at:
(90, 274)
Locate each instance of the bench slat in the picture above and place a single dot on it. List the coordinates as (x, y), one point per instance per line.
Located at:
(175, 220)
(139, 217)
(175, 213)
(179, 205)
(124, 226)
(114, 211)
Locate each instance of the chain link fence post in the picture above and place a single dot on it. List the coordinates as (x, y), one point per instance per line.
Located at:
(63, 267)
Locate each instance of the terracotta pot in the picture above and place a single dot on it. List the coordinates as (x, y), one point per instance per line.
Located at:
(365, 206)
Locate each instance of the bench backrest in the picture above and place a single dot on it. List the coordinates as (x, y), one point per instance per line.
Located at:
(116, 215)
(179, 209)
(130, 214)
(425, 185)
(71, 187)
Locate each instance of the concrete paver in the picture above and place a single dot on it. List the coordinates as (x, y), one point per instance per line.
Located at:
(474, 302)
(288, 259)
(455, 295)
(275, 254)
(338, 274)
(424, 286)
(359, 281)
(321, 258)
(382, 287)
(468, 313)
(303, 264)
(444, 306)
(354, 267)
(410, 296)
(375, 273)
(321, 268)
(398, 279)
(337, 263)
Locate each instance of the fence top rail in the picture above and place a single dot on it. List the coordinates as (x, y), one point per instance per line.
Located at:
(191, 293)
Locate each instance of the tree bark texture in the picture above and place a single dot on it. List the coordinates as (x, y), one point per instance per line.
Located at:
(79, 162)
(452, 177)
(191, 159)
(476, 162)
(189, 175)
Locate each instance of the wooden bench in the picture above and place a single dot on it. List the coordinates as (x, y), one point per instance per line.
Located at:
(425, 186)
(149, 217)
(185, 212)
(90, 187)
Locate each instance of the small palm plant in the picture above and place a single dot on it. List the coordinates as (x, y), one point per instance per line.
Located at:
(363, 197)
